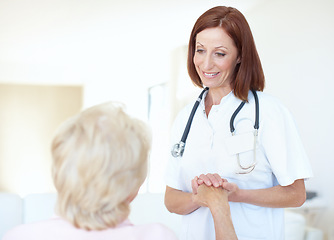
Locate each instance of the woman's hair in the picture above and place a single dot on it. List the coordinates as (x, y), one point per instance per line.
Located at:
(99, 161)
(248, 74)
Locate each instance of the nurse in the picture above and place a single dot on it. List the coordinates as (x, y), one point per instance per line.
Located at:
(222, 56)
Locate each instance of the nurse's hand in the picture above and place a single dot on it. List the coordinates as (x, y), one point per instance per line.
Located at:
(232, 190)
(195, 184)
(208, 179)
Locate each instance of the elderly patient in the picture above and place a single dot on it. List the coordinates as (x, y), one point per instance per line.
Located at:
(99, 163)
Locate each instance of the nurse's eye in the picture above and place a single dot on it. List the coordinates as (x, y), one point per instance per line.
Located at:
(219, 54)
(199, 50)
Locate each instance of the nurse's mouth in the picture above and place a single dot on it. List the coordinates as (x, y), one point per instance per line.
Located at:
(210, 74)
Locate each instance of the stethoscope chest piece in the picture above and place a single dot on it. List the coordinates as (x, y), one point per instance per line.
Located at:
(178, 149)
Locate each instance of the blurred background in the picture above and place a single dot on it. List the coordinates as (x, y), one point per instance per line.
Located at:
(60, 56)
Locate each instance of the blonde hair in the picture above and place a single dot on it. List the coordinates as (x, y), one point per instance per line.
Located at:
(99, 161)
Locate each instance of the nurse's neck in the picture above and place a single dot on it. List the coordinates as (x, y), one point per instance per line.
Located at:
(214, 97)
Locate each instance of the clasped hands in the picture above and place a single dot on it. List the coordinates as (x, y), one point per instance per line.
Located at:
(210, 189)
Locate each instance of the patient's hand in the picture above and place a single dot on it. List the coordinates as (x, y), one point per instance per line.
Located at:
(210, 196)
(233, 191)
(216, 199)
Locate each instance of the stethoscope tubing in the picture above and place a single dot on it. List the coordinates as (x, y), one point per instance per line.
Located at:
(257, 110)
(256, 125)
(232, 129)
(191, 117)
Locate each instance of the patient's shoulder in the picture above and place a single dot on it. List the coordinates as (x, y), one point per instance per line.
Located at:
(58, 228)
(154, 231)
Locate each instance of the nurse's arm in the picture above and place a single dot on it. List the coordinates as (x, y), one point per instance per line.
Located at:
(179, 202)
(293, 195)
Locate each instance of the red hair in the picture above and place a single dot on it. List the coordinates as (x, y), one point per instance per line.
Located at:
(248, 74)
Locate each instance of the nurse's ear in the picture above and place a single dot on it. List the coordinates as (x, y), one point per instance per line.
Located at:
(238, 60)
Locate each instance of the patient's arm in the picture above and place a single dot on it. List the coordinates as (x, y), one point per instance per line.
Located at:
(216, 199)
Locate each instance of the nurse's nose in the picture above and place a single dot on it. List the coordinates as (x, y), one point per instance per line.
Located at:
(208, 62)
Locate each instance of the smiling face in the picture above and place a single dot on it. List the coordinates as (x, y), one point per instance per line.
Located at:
(215, 58)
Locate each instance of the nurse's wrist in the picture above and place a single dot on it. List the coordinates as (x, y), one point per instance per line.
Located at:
(238, 196)
(194, 201)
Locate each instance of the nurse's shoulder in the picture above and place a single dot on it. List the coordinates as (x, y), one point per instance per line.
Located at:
(274, 115)
(271, 106)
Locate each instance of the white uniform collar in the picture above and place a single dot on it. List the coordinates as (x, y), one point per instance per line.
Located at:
(223, 100)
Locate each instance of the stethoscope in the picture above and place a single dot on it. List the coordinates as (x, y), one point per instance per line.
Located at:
(178, 148)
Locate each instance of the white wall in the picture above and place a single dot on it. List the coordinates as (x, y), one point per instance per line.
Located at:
(117, 49)
(29, 116)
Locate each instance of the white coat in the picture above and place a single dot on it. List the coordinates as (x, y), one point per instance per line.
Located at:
(210, 148)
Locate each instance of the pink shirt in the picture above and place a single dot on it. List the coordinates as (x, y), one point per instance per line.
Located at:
(59, 229)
